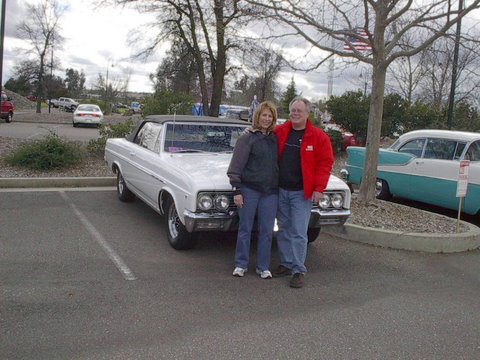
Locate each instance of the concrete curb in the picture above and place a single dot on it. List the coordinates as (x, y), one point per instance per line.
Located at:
(54, 182)
(426, 242)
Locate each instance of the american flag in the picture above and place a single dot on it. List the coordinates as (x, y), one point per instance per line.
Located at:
(360, 42)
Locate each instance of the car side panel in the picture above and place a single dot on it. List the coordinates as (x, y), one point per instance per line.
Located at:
(431, 181)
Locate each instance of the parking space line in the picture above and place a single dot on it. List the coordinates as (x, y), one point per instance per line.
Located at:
(116, 259)
(54, 129)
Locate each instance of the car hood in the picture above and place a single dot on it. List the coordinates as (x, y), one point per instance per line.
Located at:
(209, 171)
(206, 171)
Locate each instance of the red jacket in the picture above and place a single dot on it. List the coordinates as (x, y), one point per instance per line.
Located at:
(316, 156)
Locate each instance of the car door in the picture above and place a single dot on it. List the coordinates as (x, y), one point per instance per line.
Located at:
(403, 181)
(145, 158)
(472, 200)
(436, 172)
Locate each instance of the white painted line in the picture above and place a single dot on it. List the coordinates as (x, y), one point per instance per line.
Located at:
(116, 259)
(59, 189)
(43, 134)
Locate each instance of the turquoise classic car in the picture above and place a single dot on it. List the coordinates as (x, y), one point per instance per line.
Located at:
(423, 165)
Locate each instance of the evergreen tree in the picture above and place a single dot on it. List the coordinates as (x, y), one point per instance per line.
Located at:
(287, 96)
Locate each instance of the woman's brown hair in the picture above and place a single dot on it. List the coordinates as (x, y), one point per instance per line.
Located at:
(266, 105)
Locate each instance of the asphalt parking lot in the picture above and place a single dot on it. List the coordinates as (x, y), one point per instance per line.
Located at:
(84, 276)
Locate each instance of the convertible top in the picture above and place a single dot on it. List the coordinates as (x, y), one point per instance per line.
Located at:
(181, 119)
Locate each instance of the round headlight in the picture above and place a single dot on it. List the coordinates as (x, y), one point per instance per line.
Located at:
(205, 202)
(324, 202)
(222, 202)
(337, 201)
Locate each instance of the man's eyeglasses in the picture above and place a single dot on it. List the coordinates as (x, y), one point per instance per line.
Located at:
(299, 111)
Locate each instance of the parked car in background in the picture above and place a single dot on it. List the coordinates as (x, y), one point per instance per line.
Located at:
(136, 107)
(178, 166)
(7, 108)
(423, 165)
(87, 114)
(64, 103)
(238, 113)
(348, 139)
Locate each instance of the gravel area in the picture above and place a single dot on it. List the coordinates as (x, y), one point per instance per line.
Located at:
(380, 214)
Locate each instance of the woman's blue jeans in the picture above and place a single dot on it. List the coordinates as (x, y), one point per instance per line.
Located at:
(293, 217)
(266, 206)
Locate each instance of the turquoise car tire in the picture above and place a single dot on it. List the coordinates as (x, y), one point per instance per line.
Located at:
(382, 190)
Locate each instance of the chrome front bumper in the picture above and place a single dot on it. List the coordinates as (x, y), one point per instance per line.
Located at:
(229, 221)
(210, 221)
(319, 218)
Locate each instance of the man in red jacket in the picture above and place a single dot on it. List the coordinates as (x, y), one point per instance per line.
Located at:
(305, 161)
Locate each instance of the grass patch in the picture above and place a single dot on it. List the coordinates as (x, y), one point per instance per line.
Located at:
(48, 153)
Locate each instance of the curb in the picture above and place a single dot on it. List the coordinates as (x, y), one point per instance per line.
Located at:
(12, 183)
(425, 242)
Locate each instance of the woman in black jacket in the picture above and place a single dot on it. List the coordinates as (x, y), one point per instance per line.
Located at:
(253, 174)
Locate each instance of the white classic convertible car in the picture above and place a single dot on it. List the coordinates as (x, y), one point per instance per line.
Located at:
(178, 166)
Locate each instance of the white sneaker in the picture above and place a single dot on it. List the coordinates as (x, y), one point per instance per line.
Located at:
(265, 274)
(239, 272)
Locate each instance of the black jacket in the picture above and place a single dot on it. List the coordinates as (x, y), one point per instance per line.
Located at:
(254, 163)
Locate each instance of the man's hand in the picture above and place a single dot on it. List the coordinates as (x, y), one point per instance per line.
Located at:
(316, 196)
(238, 200)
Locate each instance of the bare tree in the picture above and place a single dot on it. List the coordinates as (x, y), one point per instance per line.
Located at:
(41, 29)
(206, 27)
(427, 76)
(395, 29)
(407, 73)
(435, 86)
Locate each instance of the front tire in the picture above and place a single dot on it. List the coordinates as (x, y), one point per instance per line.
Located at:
(312, 234)
(178, 236)
(382, 190)
(9, 117)
(124, 193)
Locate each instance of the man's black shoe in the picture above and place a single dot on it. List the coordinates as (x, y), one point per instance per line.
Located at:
(281, 271)
(297, 280)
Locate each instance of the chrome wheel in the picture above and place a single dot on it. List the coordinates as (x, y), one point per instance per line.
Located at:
(177, 235)
(124, 193)
(173, 221)
(382, 190)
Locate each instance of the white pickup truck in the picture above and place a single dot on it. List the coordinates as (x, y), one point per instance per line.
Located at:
(65, 103)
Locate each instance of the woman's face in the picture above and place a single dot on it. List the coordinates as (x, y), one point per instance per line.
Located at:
(265, 119)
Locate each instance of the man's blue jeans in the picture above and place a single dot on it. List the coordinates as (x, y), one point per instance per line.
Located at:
(292, 217)
(267, 210)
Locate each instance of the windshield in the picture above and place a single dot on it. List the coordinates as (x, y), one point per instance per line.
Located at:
(201, 137)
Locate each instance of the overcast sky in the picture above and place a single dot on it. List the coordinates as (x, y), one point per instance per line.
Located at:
(97, 38)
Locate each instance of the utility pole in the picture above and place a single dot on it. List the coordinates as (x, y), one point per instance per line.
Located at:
(2, 36)
(451, 100)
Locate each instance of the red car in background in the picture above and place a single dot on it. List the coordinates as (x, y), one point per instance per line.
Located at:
(7, 108)
(347, 137)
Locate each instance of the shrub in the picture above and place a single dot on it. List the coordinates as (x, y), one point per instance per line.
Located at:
(97, 146)
(336, 139)
(48, 153)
